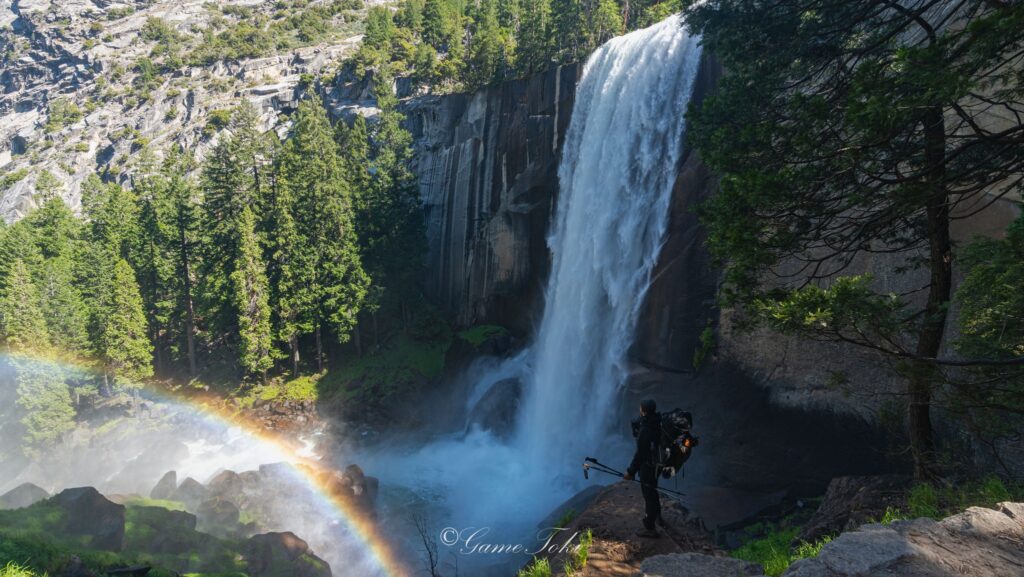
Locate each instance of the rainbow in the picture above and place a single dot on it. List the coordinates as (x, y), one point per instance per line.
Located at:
(310, 472)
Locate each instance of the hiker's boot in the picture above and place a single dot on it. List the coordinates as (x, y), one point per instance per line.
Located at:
(647, 533)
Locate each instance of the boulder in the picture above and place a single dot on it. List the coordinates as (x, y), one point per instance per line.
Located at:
(696, 565)
(88, 513)
(282, 555)
(976, 543)
(165, 487)
(218, 515)
(23, 495)
(162, 531)
(226, 485)
(496, 411)
(850, 502)
(190, 492)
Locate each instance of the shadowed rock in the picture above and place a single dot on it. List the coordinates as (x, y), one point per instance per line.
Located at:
(165, 487)
(283, 555)
(852, 501)
(976, 543)
(22, 496)
(191, 492)
(496, 410)
(218, 515)
(88, 513)
(697, 565)
(226, 485)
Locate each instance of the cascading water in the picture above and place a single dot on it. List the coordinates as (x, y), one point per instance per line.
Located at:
(618, 167)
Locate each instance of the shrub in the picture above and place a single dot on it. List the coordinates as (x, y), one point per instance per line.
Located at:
(62, 112)
(539, 568)
(923, 501)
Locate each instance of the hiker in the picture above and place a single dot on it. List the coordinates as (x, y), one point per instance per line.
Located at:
(647, 430)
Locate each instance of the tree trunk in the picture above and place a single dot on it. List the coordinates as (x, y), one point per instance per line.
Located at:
(293, 345)
(940, 266)
(190, 313)
(357, 340)
(376, 332)
(319, 350)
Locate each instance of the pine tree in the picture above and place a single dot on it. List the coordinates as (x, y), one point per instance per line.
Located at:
(234, 177)
(486, 60)
(330, 284)
(21, 315)
(534, 46)
(285, 265)
(124, 348)
(391, 215)
(44, 397)
(249, 283)
(65, 310)
(181, 218)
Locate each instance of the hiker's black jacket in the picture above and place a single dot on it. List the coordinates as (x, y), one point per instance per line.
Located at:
(647, 442)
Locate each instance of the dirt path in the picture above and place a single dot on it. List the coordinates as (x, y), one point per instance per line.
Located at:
(614, 516)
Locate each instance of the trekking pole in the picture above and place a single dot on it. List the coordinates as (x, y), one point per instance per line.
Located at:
(592, 463)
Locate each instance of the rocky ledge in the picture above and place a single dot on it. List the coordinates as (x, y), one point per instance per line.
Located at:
(976, 543)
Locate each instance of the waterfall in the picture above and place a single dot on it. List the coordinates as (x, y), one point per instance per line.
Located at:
(618, 167)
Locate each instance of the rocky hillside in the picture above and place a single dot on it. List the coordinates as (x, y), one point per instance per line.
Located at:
(87, 86)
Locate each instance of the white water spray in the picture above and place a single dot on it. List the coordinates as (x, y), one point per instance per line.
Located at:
(618, 168)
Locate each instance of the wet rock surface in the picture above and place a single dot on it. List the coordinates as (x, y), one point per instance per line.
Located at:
(88, 513)
(496, 411)
(283, 555)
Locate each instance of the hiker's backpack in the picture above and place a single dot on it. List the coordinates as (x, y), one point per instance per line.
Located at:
(677, 442)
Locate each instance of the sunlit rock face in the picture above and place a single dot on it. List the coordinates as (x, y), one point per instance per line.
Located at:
(488, 170)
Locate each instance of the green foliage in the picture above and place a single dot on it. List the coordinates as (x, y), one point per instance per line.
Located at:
(772, 551)
(479, 334)
(580, 554)
(61, 112)
(120, 12)
(21, 316)
(566, 518)
(453, 45)
(11, 178)
(45, 399)
(249, 282)
(13, 569)
(825, 163)
(123, 343)
(991, 306)
(216, 120)
(923, 501)
(538, 568)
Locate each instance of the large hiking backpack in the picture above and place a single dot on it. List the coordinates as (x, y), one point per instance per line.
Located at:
(677, 442)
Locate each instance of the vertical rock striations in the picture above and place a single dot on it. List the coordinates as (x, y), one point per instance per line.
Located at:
(488, 164)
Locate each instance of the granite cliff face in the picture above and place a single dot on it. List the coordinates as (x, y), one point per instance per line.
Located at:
(488, 169)
(76, 97)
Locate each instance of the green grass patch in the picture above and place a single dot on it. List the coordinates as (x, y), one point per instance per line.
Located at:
(479, 334)
(161, 503)
(771, 551)
(13, 569)
(937, 502)
(394, 369)
(538, 568)
(578, 560)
